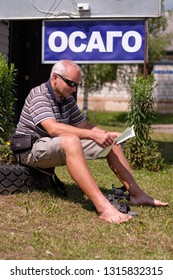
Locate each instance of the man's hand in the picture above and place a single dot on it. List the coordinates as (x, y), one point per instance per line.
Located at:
(105, 139)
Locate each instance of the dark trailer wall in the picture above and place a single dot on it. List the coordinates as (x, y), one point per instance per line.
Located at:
(25, 53)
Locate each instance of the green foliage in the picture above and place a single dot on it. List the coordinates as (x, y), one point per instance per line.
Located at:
(7, 97)
(6, 155)
(157, 45)
(141, 151)
(158, 39)
(95, 75)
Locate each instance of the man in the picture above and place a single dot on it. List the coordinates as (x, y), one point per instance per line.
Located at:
(51, 114)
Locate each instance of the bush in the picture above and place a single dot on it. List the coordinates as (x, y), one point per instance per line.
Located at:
(7, 98)
(141, 151)
(6, 154)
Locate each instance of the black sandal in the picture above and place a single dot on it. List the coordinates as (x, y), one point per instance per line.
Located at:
(119, 193)
(115, 198)
(124, 208)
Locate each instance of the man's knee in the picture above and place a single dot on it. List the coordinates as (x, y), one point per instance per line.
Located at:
(71, 142)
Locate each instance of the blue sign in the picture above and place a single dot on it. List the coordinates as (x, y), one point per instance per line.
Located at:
(94, 41)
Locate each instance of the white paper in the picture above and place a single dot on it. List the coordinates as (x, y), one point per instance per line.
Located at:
(125, 135)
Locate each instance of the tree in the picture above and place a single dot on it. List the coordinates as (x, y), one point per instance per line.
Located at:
(158, 40)
(93, 78)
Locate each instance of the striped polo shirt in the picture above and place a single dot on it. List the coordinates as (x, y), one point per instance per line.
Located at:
(41, 104)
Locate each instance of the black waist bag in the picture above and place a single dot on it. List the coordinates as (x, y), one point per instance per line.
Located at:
(20, 143)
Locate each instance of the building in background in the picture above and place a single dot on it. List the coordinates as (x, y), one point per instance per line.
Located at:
(163, 71)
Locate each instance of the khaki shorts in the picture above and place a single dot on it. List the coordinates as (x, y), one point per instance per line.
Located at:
(47, 152)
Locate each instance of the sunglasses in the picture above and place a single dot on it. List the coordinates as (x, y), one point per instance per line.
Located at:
(68, 82)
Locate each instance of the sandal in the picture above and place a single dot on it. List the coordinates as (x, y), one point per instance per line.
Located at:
(115, 198)
(119, 193)
(124, 208)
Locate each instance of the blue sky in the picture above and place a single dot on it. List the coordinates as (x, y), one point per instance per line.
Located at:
(168, 4)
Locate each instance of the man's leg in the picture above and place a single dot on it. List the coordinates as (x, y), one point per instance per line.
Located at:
(79, 170)
(118, 163)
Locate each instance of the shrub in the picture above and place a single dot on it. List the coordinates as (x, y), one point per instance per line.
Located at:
(7, 98)
(6, 154)
(141, 151)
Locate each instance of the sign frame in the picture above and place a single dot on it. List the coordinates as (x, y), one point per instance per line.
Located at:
(66, 25)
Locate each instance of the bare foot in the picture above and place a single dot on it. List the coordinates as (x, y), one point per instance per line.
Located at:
(145, 199)
(112, 215)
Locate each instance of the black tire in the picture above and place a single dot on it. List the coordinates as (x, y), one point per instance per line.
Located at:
(17, 178)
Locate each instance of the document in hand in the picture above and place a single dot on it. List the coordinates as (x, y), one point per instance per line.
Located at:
(125, 135)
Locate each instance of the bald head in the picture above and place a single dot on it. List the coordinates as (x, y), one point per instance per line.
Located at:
(63, 66)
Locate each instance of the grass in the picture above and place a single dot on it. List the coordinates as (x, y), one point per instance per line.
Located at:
(42, 225)
(119, 118)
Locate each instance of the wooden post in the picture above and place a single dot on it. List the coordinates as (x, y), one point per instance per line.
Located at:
(146, 49)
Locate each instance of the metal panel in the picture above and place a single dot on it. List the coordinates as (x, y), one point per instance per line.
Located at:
(4, 41)
(54, 9)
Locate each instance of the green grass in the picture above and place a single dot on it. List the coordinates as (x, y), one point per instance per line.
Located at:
(43, 225)
(119, 118)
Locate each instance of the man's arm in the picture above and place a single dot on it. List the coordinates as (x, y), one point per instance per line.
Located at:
(55, 128)
(88, 125)
(83, 130)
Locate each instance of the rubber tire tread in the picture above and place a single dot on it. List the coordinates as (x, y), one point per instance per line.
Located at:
(17, 178)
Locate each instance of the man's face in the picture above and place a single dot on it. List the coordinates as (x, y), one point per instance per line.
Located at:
(65, 85)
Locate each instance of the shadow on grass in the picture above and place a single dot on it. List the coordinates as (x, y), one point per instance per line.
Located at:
(166, 150)
(76, 196)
